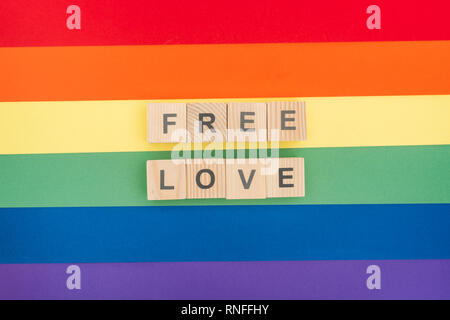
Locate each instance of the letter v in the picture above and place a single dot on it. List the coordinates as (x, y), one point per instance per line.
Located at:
(246, 184)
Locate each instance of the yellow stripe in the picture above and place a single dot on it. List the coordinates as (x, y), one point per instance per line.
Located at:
(114, 126)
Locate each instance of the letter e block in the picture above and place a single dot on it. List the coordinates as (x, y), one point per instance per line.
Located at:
(244, 180)
(207, 122)
(205, 180)
(247, 121)
(166, 122)
(166, 180)
(286, 120)
(288, 180)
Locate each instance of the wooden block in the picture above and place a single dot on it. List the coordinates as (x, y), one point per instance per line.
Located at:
(207, 122)
(288, 180)
(244, 180)
(205, 180)
(166, 180)
(247, 121)
(288, 118)
(166, 122)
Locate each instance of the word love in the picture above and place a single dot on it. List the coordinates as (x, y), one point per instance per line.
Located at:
(230, 179)
(220, 122)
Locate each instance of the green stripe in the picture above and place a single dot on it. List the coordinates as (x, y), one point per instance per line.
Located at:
(406, 174)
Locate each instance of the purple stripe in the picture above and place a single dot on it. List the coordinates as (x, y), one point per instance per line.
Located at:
(400, 279)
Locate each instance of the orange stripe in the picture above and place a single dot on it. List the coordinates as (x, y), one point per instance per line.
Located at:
(224, 71)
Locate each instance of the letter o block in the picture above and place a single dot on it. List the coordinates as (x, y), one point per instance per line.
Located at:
(166, 122)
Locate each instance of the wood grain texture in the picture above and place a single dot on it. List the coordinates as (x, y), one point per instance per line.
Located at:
(174, 176)
(203, 133)
(155, 122)
(245, 185)
(293, 185)
(256, 131)
(201, 170)
(275, 120)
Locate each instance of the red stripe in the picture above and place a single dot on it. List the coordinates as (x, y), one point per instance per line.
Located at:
(122, 22)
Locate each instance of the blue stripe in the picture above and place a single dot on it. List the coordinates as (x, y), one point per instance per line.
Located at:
(222, 233)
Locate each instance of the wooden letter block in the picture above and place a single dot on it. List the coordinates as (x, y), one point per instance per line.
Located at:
(244, 180)
(205, 180)
(166, 180)
(288, 118)
(247, 121)
(207, 122)
(166, 122)
(288, 180)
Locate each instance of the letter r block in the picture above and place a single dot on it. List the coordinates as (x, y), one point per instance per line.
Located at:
(288, 180)
(286, 120)
(166, 122)
(166, 179)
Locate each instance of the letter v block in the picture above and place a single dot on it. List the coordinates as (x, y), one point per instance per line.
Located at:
(288, 180)
(286, 120)
(207, 122)
(166, 179)
(166, 122)
(244, 179)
